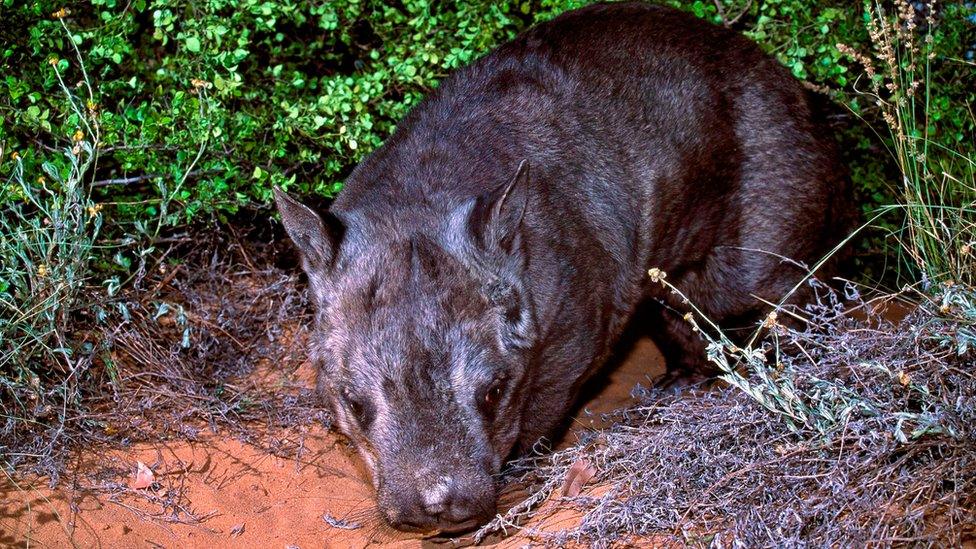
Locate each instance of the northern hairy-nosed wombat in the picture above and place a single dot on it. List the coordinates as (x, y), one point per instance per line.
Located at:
(480, 265)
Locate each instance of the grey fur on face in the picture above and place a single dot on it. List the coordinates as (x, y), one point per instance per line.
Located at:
(411, 342)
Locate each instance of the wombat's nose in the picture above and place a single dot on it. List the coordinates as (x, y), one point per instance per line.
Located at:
(436, 497)
(443, 502)
(444, 505)
(447, 503)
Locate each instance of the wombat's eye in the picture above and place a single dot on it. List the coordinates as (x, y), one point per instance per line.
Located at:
(492, 395)
(360, 409)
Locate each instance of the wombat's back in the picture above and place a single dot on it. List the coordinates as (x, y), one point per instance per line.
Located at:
(655, 140)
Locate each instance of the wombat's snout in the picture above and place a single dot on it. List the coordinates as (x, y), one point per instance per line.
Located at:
(444, 504)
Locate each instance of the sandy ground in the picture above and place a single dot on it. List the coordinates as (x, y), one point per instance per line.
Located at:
(223, 492)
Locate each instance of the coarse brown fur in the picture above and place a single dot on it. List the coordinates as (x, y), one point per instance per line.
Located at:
(482, 263)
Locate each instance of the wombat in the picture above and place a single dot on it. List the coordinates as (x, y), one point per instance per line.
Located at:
(481, 264)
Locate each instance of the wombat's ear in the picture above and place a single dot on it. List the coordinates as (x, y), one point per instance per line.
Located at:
(317, 237)
(497, 215)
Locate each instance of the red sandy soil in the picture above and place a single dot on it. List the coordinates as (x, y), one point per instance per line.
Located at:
(242, 496)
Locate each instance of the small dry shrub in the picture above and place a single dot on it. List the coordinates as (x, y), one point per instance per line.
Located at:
(896, 465)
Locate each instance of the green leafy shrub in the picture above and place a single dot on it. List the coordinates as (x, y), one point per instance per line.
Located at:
(48, 233)
(283, 92)
(295, 94)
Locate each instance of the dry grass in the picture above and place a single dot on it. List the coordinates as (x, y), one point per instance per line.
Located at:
(716, 468)
(204, 345)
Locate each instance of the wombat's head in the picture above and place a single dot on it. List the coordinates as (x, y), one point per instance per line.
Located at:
(422, 344)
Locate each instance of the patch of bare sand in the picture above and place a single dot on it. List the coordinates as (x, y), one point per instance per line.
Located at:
(222, 492)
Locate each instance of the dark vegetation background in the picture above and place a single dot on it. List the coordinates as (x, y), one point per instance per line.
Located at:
(140, 140)
(295, 93)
